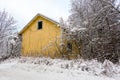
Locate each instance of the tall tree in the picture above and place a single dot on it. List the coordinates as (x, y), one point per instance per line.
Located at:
(7, 28)
(101, 18)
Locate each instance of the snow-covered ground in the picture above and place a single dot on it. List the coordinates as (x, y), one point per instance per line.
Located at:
(57, 69)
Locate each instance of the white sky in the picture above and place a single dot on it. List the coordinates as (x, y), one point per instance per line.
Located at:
(24, 10)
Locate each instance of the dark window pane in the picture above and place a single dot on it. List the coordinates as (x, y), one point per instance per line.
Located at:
(69, 46)
(40, 25)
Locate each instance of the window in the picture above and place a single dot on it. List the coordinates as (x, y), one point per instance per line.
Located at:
(40, 25)
(69, 47)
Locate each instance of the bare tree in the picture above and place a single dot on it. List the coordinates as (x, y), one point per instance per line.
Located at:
(7, 28)
(101, 20)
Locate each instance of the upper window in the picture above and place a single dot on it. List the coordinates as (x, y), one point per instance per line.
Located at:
(40, 23)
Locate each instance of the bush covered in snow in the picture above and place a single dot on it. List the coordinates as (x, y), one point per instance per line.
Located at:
(90, 66)
(58, 69)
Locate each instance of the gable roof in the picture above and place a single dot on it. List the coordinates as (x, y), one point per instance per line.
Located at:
(41, 15)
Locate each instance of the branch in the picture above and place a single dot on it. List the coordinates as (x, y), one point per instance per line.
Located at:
(112, 6)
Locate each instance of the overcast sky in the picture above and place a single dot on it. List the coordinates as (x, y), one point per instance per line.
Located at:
(24, 10)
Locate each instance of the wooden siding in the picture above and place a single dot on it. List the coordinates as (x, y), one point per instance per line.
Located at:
(40, 42)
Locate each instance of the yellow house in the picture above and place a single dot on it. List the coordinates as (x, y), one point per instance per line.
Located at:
(42, 36)
(39, 35)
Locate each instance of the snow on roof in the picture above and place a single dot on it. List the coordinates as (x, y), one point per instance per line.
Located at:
(47, 18)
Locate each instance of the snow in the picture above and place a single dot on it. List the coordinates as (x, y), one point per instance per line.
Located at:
(85, 22)
(12, 42)
(54, 69)
(77, 29)
(95, 39)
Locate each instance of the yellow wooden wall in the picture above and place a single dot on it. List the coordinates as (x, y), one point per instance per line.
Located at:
(41, 42)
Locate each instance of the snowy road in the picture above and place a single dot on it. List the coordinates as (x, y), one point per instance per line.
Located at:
(23, 71)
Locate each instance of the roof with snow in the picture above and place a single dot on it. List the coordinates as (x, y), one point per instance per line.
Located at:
(41, 15)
